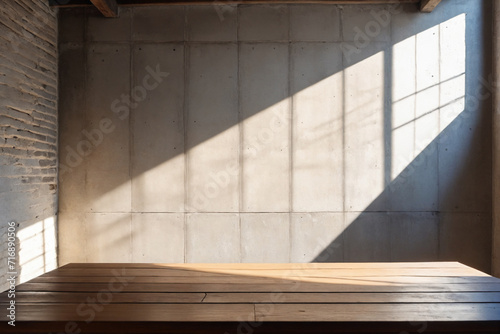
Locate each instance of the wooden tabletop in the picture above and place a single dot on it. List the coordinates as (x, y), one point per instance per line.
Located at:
(312, 292)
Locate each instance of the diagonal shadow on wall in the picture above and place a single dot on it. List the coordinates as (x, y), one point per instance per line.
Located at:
(410, 221)
(219, 115)
(398, 235)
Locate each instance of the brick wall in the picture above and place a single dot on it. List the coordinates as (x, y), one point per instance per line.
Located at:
(28, 127)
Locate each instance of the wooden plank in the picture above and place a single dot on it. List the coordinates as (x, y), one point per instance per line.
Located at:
(378, 312)
(80, 297)
(257, 298)
(349, 298)
(269, 273)
(290, 286)
(133, 312)
(428, 6)
(162, 279)
(348, 293)
(336, 269)
(108, 8)
(273, 266)
(265, 312)
(354, 272)
(376, 280)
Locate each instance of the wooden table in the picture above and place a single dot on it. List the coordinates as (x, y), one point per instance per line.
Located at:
(258, 298)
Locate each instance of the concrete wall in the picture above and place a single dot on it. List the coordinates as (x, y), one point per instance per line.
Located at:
(28, 149)
(276, 133)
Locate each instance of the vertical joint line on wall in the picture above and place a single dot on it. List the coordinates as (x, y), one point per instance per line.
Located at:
(437, 143)
(388, 117)
(240, 118)
(344, 218)
(291, 156)
(85, 49)
(131, 46)
(185, 127)
(387, 131)
(415, 83)
(241, 147)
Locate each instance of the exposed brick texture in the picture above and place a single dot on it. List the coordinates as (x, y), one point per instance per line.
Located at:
(28, 127)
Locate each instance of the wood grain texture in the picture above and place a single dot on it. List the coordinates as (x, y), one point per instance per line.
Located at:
(108, 8)
(358, 280)
(345, 293)
(131, 312)
(354, 298)
(291, 286)
(259, 298)
(428, 6)
(376, 312)
(272, 266)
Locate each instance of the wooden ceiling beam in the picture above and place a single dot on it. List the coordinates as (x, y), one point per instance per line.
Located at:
(428, 6)
(75, 3)
(108, 8)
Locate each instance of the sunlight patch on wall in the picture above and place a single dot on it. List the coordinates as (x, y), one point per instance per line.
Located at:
(266, 155)
(364, 131)
(317, 141)
(36, 250)
(403, 105)
(428, 90)
(453, 56)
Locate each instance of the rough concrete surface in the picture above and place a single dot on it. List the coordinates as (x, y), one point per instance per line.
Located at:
(281, 133)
